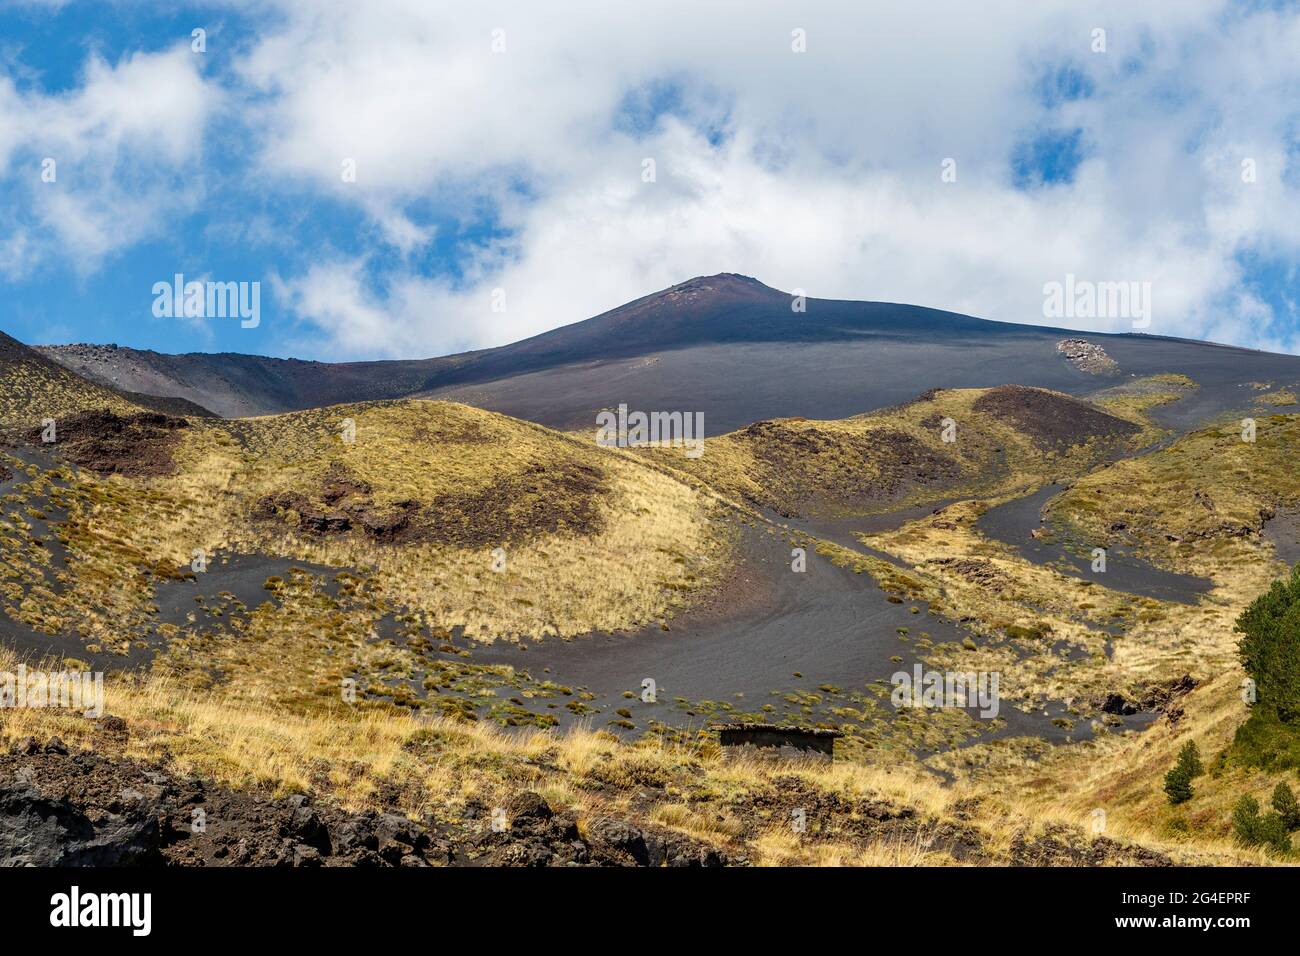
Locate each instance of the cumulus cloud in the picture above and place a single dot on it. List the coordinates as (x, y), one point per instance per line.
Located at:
(816, 170)
(106, 164)
(500, 149)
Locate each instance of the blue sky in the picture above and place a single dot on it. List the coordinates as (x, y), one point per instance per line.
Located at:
(501, 157)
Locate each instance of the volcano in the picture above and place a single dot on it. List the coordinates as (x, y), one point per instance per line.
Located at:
(725, 345)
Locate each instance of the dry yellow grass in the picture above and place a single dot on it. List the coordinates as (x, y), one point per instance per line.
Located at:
(362, 757)
(1123, 777)
(968, 576)
(1195, 506)
(32, 390)
(654, 545)
(657, 546)
(649, 545)
(848, 466)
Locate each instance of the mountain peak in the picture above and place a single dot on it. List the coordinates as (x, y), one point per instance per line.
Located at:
(704, 290)
(721, 282)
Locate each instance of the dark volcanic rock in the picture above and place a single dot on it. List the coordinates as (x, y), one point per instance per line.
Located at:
(540, 500)
(1060, 845)
(562, 498)
(1119, 705)
(619, 842)
(538, 836)
(45, 822)
(1161, 697)
(133, 445)
(88, 809)
(36, 830)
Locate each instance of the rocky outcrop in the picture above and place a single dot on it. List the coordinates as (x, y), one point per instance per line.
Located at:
(1087, 357)
(1059, 845)
(64, 808)
(540, 500)
(40, 826)
(59, 808)
(1162, 698)
(538, 836)
(138, 445)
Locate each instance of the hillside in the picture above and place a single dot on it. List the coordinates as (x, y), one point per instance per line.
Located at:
(945, 444)
(376, 522)
(33, 387)
(234, 385)
(362, 600)
(725, 345)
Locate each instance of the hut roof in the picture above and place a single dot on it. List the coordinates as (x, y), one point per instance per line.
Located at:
(778, 728)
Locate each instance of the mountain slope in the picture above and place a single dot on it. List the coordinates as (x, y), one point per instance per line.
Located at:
(1003, 437)
(33, 388)
(235, 385)
(303, 581)
(724, 345)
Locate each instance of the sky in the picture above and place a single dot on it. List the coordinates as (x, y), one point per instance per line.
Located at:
(408, 178)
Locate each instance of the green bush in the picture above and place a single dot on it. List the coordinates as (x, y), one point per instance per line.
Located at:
(1252, 829)
(1284, 802)
(1270, 652)
(1178, 784)
(1273, 834)
(1270, 646)
(1245, 821)
(1178, 781)
(1264, 741)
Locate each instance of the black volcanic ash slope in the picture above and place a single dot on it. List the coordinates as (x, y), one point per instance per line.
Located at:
(724, 345)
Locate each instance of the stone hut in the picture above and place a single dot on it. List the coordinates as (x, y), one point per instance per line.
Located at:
(778, 741)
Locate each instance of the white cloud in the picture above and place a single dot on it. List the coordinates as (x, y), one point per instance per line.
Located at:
(830, 180)
(834, 234)
(827, 177)
(125, 144)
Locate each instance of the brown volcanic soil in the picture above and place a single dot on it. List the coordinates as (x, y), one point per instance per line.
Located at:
(133, 445)
(538, 501)
(808, 464)
(1052, 420)
(513, 508)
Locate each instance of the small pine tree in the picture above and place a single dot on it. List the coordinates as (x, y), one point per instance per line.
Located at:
(1269, 651)
(1178, 784)
(1273, 834)
(1245, 821)
(1284, 802)
(1190, 758)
